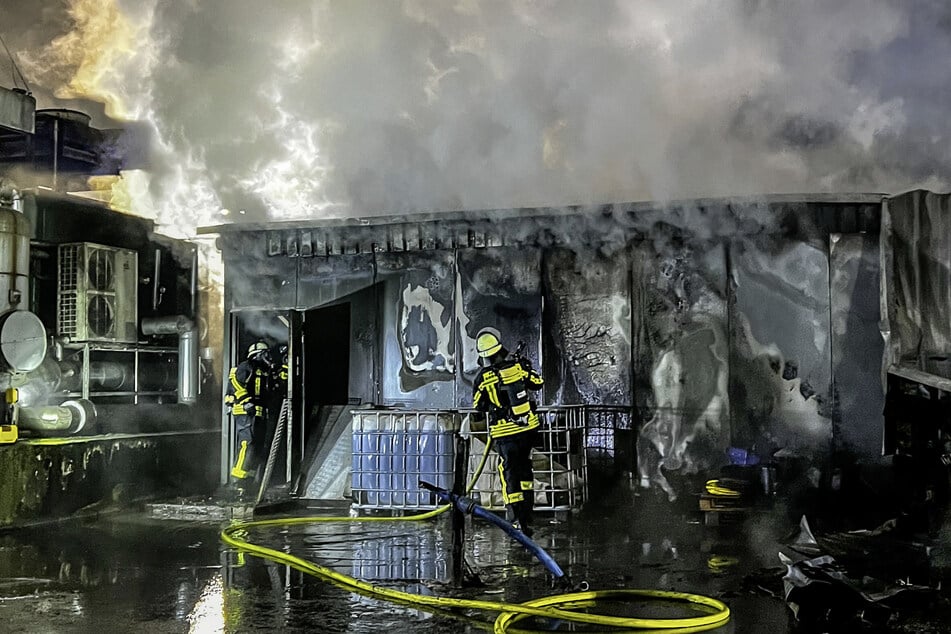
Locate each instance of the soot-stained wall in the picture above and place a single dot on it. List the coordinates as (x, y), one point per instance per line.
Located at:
(780, 359)
(588, 327)
(499, 287)
(418, 341)
(857, 345)
(728, 327)
(916, 232)
(681, 355)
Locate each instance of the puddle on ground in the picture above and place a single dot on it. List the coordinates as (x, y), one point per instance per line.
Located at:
(135, 573)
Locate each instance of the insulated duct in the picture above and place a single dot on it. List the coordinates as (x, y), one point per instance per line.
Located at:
(187, 351)
(71, 417)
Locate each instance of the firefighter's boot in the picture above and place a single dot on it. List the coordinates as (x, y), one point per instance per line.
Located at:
(517, 516)
(242, 469)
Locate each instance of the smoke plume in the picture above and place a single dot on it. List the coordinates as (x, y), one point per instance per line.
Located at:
(303, 108)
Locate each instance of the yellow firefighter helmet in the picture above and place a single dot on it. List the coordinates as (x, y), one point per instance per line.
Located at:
(256, 348)
(488, 342)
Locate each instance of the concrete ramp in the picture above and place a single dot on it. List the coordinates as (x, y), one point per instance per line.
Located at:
(328, 456)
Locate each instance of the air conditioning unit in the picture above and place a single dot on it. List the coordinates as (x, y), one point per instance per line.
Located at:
(97, 293)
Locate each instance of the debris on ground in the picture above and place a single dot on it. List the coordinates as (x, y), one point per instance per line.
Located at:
(837, 590)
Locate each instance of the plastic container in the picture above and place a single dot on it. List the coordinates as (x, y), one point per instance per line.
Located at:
(394, 450)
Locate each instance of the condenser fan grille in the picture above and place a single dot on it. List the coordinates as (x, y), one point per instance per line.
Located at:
(99, 270)
(97, 288)
(100, 316)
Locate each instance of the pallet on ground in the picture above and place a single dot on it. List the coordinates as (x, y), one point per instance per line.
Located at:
(710, 502)
(725, 517)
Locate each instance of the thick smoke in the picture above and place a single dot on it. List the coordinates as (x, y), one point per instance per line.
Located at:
(355, 108)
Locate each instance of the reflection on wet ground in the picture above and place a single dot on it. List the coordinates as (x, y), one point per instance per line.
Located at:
(132, 573)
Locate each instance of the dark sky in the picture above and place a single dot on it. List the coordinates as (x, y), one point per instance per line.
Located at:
(300, 108)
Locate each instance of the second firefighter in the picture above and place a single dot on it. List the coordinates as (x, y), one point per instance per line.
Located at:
(247, 395)
(502, 391)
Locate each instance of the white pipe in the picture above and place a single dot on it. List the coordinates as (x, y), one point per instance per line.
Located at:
(188, 366)
(187, 351)
(70, 417)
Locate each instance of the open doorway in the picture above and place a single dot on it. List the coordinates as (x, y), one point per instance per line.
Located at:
(249, 326)
(326, 356)
(325, 389)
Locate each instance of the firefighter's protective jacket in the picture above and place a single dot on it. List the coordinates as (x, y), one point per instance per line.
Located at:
(247, 383)
(501, 390)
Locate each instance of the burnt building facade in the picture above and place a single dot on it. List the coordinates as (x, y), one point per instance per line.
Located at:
(710, 324)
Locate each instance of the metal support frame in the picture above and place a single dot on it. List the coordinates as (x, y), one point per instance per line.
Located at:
(87, 349)
(458, 518)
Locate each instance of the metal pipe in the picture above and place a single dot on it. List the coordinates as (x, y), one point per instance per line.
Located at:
(109, 375)
(55, 152)
(155, 279)
(193, 288)
(173, 325)
(14, 252)
(154, 374)
(188, 366)
(187, 333)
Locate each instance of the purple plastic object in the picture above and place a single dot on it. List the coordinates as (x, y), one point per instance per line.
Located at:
(742, 457)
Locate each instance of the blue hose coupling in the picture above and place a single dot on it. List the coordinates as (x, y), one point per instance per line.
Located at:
(463, 503)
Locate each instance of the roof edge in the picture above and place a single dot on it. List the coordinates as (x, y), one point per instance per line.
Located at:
(855, 198)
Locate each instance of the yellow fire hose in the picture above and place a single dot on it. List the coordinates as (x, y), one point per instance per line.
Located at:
(557, 606)
(714, 487)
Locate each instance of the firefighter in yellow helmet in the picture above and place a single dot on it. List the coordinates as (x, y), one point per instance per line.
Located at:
(502, 391)
(248, 387)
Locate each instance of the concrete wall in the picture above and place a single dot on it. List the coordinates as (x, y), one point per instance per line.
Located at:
(46, 482)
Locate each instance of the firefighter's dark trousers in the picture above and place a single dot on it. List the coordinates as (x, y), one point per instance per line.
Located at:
(249, 434)
(515, 469)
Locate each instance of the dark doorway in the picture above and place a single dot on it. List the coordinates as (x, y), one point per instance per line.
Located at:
(326, 356)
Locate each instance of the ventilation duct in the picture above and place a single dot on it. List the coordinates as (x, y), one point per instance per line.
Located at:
(187, 351)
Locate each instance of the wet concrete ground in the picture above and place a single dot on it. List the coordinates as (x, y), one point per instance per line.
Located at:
(134, 573)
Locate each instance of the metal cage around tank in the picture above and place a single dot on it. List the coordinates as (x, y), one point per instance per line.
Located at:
(559, 462)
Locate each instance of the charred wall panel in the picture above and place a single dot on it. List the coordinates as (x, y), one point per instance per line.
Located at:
(256, 280)
(327, 279)
(780, 362)
(587, 328)
(916, 234)
(418, 343)
(680, 355)
(856, 345)
(364, 335)
(499, 287)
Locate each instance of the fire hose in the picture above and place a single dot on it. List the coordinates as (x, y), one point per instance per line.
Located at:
(558, 606)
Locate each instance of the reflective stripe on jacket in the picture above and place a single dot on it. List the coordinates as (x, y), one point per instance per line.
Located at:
(245, 387)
